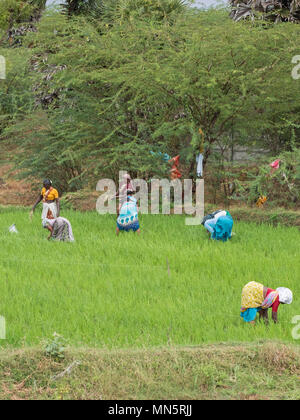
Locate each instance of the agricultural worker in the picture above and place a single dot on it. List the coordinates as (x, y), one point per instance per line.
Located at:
(125, 185)
(50, 198)
(60, 229)
(219, 225)
(259, 298)
(128, 217)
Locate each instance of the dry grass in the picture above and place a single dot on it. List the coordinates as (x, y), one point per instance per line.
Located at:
(249, 372)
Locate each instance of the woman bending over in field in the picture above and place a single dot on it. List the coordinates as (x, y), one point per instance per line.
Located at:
(60, 229)
(259, 298)
(128, 217)
(219, 225)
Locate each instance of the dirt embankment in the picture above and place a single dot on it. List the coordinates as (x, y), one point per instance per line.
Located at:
(14, 192)
(20, 193)
(239, 372)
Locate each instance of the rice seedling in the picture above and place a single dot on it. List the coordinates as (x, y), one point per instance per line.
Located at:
(170, 286)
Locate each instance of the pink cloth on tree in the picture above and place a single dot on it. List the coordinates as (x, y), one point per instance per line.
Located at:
(275, 164)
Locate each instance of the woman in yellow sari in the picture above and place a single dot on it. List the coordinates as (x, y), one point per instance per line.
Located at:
(257, 298)
(50, 198)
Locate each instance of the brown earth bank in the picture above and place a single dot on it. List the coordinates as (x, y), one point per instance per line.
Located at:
(14, 192)
(259, 371)
(22, 193)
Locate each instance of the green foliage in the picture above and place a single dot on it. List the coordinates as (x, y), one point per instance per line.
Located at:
(281, 186)
(13, 11)
(174, 80)
(17, 11)
(223, 178)
(55, 348)
(101, 97)
(83, 7)
(15, 92)
(165, 11)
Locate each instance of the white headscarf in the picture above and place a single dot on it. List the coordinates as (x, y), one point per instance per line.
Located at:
(285, 295)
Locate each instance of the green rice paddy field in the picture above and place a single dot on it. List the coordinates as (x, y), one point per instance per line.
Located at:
(170, 286)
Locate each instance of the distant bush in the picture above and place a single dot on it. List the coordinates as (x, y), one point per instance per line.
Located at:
(281, 186)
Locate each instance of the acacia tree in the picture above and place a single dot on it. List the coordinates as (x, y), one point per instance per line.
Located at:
(140, 86)
(64, 130)
(180, 79)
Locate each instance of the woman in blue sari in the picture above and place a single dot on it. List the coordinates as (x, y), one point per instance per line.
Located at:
(219, 224)
(128, 216)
